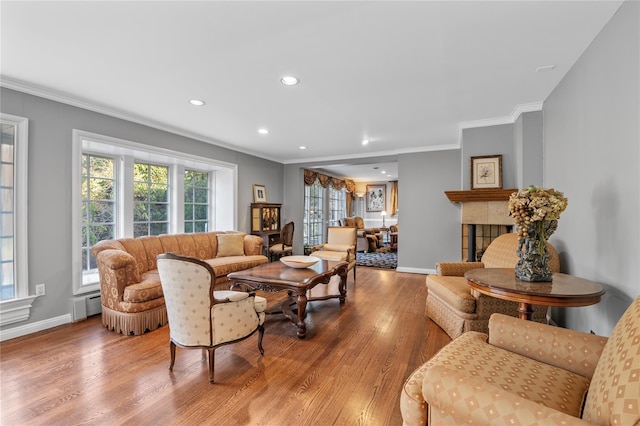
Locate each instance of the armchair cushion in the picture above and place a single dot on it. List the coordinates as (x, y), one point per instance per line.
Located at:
(455, 292)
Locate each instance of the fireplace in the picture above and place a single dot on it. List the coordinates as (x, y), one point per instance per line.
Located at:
(484, 217)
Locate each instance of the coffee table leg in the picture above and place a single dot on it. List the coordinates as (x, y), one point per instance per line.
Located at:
(525, 311)
(301, 301)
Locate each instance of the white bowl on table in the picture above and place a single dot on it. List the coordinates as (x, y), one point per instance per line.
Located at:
(299, 261)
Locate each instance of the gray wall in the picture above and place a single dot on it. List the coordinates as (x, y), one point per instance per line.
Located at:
(591, 139)
(528, 149)
(429, 222)
(49, 212)
(489, 140)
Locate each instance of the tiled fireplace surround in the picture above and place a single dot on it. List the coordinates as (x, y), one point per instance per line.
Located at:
(484, 216)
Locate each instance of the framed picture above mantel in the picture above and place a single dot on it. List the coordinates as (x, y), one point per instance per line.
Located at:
(486, 172)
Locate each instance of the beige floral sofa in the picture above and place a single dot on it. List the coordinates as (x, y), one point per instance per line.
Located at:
(525, 373)
(130, 289)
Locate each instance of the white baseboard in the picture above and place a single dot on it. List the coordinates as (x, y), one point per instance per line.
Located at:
(34, 327)
(415, 270)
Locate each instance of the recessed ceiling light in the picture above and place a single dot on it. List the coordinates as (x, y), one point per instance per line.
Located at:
(196, 102)
(263, 131)
(383, 172)
(289, 80)
(545, 68)
(302, 147)
(365, 141)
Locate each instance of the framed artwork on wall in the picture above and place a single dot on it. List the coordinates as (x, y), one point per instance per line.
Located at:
(376, 196)
(486, 172)
(259, 193)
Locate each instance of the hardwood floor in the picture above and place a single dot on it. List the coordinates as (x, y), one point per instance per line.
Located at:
(348, 371)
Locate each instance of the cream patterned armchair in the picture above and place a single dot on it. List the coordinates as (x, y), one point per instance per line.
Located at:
(340, 246)
(201, 318)
(530, 374)
(456, 308)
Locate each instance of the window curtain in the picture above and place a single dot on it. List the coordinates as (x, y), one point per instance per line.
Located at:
(394, 198)
(310, 177)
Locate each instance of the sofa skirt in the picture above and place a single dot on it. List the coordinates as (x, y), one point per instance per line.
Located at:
(135, 323)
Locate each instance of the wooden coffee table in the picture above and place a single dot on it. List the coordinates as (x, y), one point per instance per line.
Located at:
(276, 276)
(565, 290)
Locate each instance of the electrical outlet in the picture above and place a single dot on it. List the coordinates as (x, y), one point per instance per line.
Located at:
(40, 290)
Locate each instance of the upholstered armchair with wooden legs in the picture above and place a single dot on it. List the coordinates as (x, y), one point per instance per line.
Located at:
(340, 246)
(201, 318)
(526, 373)
(285, 246)
(456, 308)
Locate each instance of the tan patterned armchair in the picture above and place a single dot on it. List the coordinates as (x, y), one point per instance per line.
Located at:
(530, 374)
(456, 308)
(367, 239)
(201, 318)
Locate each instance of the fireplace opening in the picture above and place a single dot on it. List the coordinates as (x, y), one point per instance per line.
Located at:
(476, 239)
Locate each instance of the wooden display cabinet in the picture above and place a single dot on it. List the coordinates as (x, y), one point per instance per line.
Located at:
(265, 222)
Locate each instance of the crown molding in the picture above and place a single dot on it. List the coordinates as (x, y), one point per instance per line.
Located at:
(53, 95)
(509, 119)
(35, 90)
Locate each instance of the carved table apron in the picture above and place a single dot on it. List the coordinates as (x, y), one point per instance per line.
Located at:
(276, 276)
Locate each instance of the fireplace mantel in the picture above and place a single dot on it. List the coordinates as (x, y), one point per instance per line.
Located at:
(482, 208)
(479, 195)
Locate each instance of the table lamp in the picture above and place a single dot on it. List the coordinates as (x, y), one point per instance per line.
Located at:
(383, 213)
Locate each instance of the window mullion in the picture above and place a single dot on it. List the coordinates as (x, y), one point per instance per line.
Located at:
(125, 198)
(176, 203)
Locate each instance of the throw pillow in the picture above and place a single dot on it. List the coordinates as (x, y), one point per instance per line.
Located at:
(230, 245)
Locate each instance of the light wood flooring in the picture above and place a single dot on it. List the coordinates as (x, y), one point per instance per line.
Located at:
(348, 371)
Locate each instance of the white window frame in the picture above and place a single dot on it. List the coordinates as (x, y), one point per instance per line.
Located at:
(19, 308)
(223, 186)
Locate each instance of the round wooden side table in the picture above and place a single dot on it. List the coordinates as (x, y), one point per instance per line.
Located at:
(565, 290)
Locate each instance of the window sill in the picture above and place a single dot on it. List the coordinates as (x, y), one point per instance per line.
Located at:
(15, 310)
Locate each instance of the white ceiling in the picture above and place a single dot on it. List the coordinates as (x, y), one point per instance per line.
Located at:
(407, 75)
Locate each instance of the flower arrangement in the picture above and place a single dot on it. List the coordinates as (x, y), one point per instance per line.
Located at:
(533, 209)
(535, 204)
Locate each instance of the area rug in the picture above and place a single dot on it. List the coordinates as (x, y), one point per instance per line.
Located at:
(378, 260)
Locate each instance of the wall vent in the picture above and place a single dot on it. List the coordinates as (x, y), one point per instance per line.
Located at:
(85, 306)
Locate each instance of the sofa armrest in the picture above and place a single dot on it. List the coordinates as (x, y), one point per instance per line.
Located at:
(471, 400)
(117, 269)
(253, 245)
(456, 269)
(567, 349)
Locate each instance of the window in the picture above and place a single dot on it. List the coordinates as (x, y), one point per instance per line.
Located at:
(337, 206)
(313, 214)
(196, 201)
(15, 301)
(128, 189)
(98, 204)
(7, 253)
(151, 199)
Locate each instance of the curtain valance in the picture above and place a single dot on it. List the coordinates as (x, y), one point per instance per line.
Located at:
(310, 177)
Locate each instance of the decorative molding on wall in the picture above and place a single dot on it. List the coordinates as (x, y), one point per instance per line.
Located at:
(509, 119)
